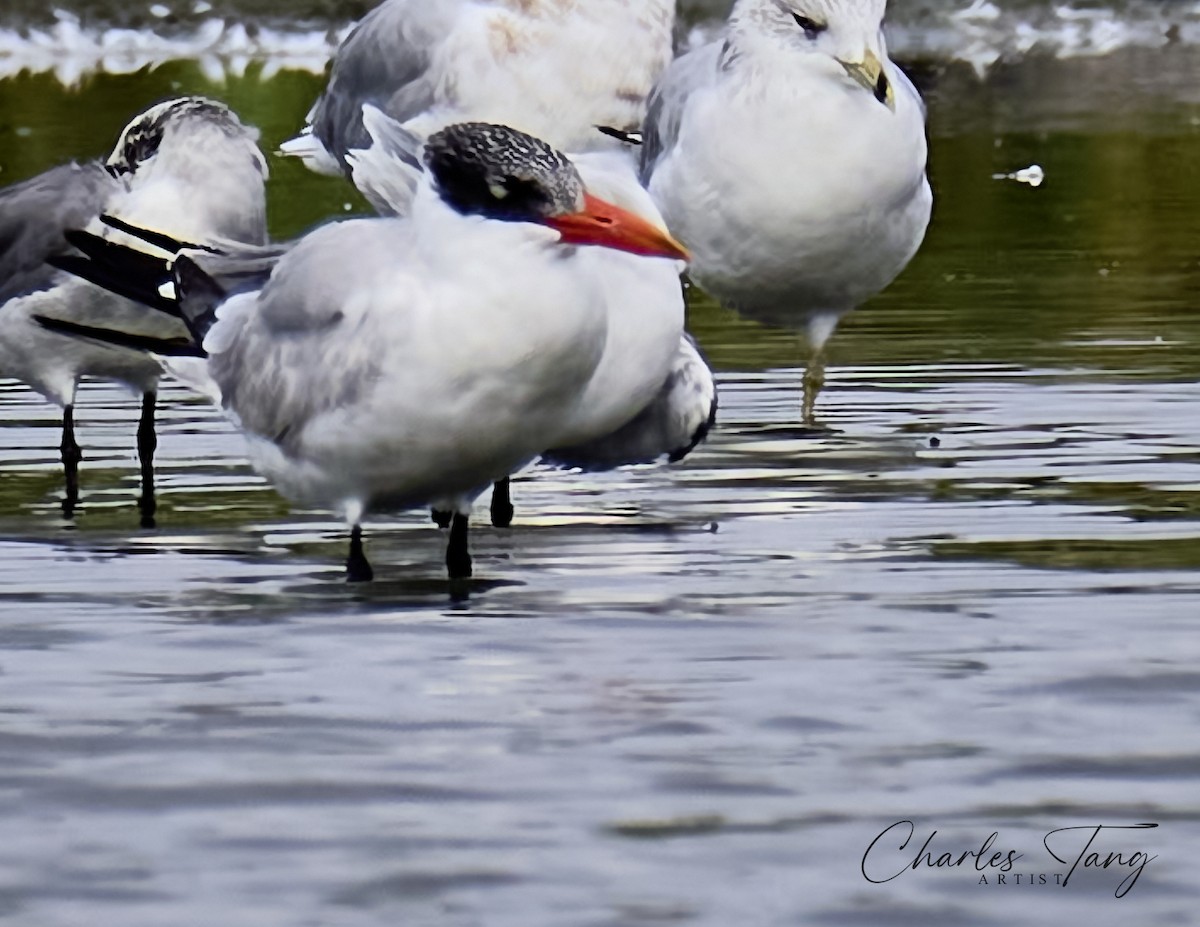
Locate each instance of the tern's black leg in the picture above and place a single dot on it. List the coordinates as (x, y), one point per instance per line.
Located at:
(440, 518)
(458, 553)
(71, 455)
(147, 441)
(358, 569)
(502, 507)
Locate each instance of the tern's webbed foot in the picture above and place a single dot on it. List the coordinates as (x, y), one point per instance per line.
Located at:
(458, 553)
(358, 568)
(502, 507)
(440, 518)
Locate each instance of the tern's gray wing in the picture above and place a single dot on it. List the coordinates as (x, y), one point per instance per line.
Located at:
(385, 61)
(302, 346)
(665, 109)
(672, 425)
(35, 213)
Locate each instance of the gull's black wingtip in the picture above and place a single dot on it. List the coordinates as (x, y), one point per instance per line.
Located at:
(124, 279)
(629, 138)
(151, 237)
(167, 347)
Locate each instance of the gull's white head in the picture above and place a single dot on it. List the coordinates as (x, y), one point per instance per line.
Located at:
(188, 131)
(846, 35)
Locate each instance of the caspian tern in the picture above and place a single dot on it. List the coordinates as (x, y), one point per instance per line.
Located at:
(677, 412)
(380, 364)
(187, 165)
(553, 69)
(790, 158)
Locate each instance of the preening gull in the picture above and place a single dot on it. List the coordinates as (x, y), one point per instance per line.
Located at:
(186, 165)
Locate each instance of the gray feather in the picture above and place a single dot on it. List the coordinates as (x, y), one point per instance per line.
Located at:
(237, 271)
(204, 279)
(299, 343)
(384, 61)
(35, 214)
(387, 172)
(671, 426)
(664, 114)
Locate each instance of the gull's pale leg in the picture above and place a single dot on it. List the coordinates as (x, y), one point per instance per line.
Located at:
(814, 380)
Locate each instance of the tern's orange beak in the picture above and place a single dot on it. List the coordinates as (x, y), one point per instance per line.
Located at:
(602, 223)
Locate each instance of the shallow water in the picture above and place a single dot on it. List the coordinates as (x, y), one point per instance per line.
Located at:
(685, 695)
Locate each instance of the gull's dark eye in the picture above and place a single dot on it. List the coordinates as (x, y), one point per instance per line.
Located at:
(811, 27)
(141, 144)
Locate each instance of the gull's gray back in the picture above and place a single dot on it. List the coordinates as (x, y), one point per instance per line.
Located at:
(555, 69)
(385, 61)
(664, 113)
(34, 215)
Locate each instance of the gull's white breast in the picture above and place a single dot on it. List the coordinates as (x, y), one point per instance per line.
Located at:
(796, 191)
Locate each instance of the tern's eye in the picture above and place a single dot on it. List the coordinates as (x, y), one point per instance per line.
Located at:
(811, 27)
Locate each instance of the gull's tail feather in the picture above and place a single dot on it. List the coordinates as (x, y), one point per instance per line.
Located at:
(200, 295)
(310, 149)
(167, 347)
(316, 157)
(193, 373)
(622, 135)
(123, 270)
(205, 280)
(140, 263)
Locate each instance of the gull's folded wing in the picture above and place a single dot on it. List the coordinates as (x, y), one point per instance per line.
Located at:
(664, 112)
(36, 214)
(385, 61)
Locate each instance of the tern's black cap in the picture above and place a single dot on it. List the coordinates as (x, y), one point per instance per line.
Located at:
(498, 172)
